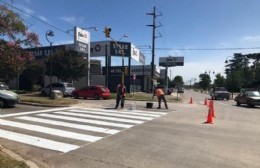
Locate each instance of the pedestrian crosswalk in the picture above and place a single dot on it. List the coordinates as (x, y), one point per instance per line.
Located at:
(68, 129)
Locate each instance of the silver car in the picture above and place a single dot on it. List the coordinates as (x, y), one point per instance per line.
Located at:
(64, 87)
(8, 98)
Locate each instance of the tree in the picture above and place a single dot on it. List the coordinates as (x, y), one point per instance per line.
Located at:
(204, 81)
(15, 36)
(67, 65)
(219, 81)
(178, 80)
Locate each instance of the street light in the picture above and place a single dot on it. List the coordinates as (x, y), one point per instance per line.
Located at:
(50, 33)
(124, 36)
(208, 71)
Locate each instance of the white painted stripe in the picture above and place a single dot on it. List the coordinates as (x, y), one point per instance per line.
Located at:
(112, 114)
(51, 131)
(133, 111)
(140, 113)
(38, 142)
(35, 112)
(71, 125)
(101, 117)
(86, 120)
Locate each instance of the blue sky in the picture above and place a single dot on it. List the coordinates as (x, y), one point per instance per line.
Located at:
(186, 24)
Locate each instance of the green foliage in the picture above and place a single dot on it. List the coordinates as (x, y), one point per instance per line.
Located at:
(178, 80)
(31, 74)
(219, 81)
(67, 65)
(204, 81)
(241, 73)
(15, 35)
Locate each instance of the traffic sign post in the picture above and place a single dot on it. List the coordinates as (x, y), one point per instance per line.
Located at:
(134, 78)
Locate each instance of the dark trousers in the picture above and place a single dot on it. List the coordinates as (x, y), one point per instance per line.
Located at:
(160, 98)
(118, 99)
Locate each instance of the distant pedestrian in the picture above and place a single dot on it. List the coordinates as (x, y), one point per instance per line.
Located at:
(121, 91)
(160, 96)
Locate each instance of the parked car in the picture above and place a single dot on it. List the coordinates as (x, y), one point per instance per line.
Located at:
(8, 98)
(4, 86)
(219, 93)
(94, 91)
(251, 98)
(64, 87)
(180, 90)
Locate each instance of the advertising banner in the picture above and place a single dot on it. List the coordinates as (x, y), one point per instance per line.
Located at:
(120, 48)
(171, 61)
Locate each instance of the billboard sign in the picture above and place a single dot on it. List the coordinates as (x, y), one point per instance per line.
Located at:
(135, 53)
(98, 49)
(81, 35)
(120, 48)
(171, 61)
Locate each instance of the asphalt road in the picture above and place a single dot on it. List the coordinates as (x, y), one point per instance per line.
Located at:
(176, 137)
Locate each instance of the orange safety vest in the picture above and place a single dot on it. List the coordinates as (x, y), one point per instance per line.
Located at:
(159, 92)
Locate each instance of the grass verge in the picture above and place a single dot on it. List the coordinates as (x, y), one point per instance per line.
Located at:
(8, 162)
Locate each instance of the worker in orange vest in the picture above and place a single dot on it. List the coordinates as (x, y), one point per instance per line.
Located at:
(160, 96)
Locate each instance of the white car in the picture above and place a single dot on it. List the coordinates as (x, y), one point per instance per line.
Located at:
(64, 87)
(8, 98)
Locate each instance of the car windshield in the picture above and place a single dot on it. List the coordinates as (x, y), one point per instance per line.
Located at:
(220, 89)
(104, 88)
(69, 85)
(254, 94)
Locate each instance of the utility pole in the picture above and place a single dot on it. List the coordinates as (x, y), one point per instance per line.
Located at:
(153, 41)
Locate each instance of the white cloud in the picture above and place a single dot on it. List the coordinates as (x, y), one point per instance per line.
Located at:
(251, 39)
(43, 18)
(69, 19)
(73, 20)
(25, 9)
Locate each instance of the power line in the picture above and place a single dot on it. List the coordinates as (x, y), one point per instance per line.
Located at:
(20, 10)
(209, 49)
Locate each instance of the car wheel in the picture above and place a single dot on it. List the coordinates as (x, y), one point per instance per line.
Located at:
(43, 93)
(2, 103)
(76, 96)
(249, 104)
(96, 97)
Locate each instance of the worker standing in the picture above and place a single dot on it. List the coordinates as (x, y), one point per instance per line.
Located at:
(160, 96)
(120, 95)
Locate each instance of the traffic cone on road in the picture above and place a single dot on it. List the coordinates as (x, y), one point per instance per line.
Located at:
(209, 118)
(205, 102)
(210, 103)
(191, 100)
(213, 111)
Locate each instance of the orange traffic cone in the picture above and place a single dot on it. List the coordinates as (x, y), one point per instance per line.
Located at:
(210, 103)
(209, 119)
(213, 111)
(191, 100)
(205, 102)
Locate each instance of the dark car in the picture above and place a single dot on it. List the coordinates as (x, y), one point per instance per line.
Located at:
(219, 93)
(251, 98)
(94, 91)
(64, 87)
(8, 98)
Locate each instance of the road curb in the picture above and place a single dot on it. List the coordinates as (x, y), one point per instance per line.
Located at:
(44, 105)
(17, 157)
